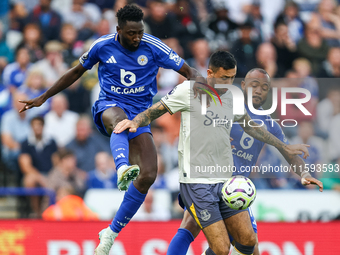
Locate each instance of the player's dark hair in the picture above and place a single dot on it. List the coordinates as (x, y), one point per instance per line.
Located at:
(129, 12)
(223, 59)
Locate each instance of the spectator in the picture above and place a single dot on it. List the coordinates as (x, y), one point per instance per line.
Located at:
(201, 53)
(301, 72)
(66, 173)
(103, 28)
(104, 175)
(327, 109)
(60, 122)
(266, 58)
(255, 17)
(72, 48)
(85, 145)
(244, 50)
(150, 211)
(166, 78)
(160, 22)
(18, 15)
(313, 47)
(15, 73)
(162, 140)
(187, 26)
(331, 66)
(35, 86)
(35, 160)
(285, 47)
(48, 20)
(69, 207)
(14, 130)
(328, 21)
(84, 17)
(78, 97)
(290, 17)
(220, 28)
(32, 42)
(6, 54)
(53, 65)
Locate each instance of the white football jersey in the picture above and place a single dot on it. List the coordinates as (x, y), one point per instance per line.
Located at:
(204, 150)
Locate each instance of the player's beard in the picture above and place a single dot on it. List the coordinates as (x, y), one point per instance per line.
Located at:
(256, 105)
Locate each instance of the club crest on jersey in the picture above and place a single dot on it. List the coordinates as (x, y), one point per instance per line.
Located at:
(142, 60)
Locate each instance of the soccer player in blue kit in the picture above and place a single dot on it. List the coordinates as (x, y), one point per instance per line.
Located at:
(242, 143)
(128, 64)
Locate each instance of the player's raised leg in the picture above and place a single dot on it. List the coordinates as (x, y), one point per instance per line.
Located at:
(119, 147)
(142, 152)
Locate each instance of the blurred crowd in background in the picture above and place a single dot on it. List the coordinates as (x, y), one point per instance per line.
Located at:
(56, 146)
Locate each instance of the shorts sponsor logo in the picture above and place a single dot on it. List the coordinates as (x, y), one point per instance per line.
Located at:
(205, 215)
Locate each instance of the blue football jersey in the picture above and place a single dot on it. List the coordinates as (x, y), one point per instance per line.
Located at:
(126, 76)
(247, 149)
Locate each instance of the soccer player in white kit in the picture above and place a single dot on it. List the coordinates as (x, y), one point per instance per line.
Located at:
(204, 146)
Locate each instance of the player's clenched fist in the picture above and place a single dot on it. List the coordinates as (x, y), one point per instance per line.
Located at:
(126, 124)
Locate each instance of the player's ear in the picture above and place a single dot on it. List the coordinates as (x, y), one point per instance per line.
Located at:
(118, 29)
(210, 73)
(243, 85)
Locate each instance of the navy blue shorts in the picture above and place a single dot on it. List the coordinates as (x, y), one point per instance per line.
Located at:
(251, 215)
(101, 105)
(204, 203)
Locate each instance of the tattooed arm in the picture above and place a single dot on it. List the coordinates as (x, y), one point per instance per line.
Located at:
(142, 119)
(298, 166)
(290, 152)
(263, 135)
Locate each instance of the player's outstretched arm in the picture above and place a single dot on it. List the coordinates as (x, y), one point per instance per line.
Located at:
(64, 81)
(142, 119)
(263, 135)
(189, 72)
(298, 166)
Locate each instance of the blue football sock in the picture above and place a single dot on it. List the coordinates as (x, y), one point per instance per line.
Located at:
(180, 243)
(133, 199)
(119, 145)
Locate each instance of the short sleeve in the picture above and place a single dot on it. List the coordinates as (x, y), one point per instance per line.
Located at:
(277, 132)
(178, 99)
(164, 56)
(90, 58)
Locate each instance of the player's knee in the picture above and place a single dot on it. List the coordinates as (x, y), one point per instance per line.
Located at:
(249, 240)
(147, 177)
(221, 249)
